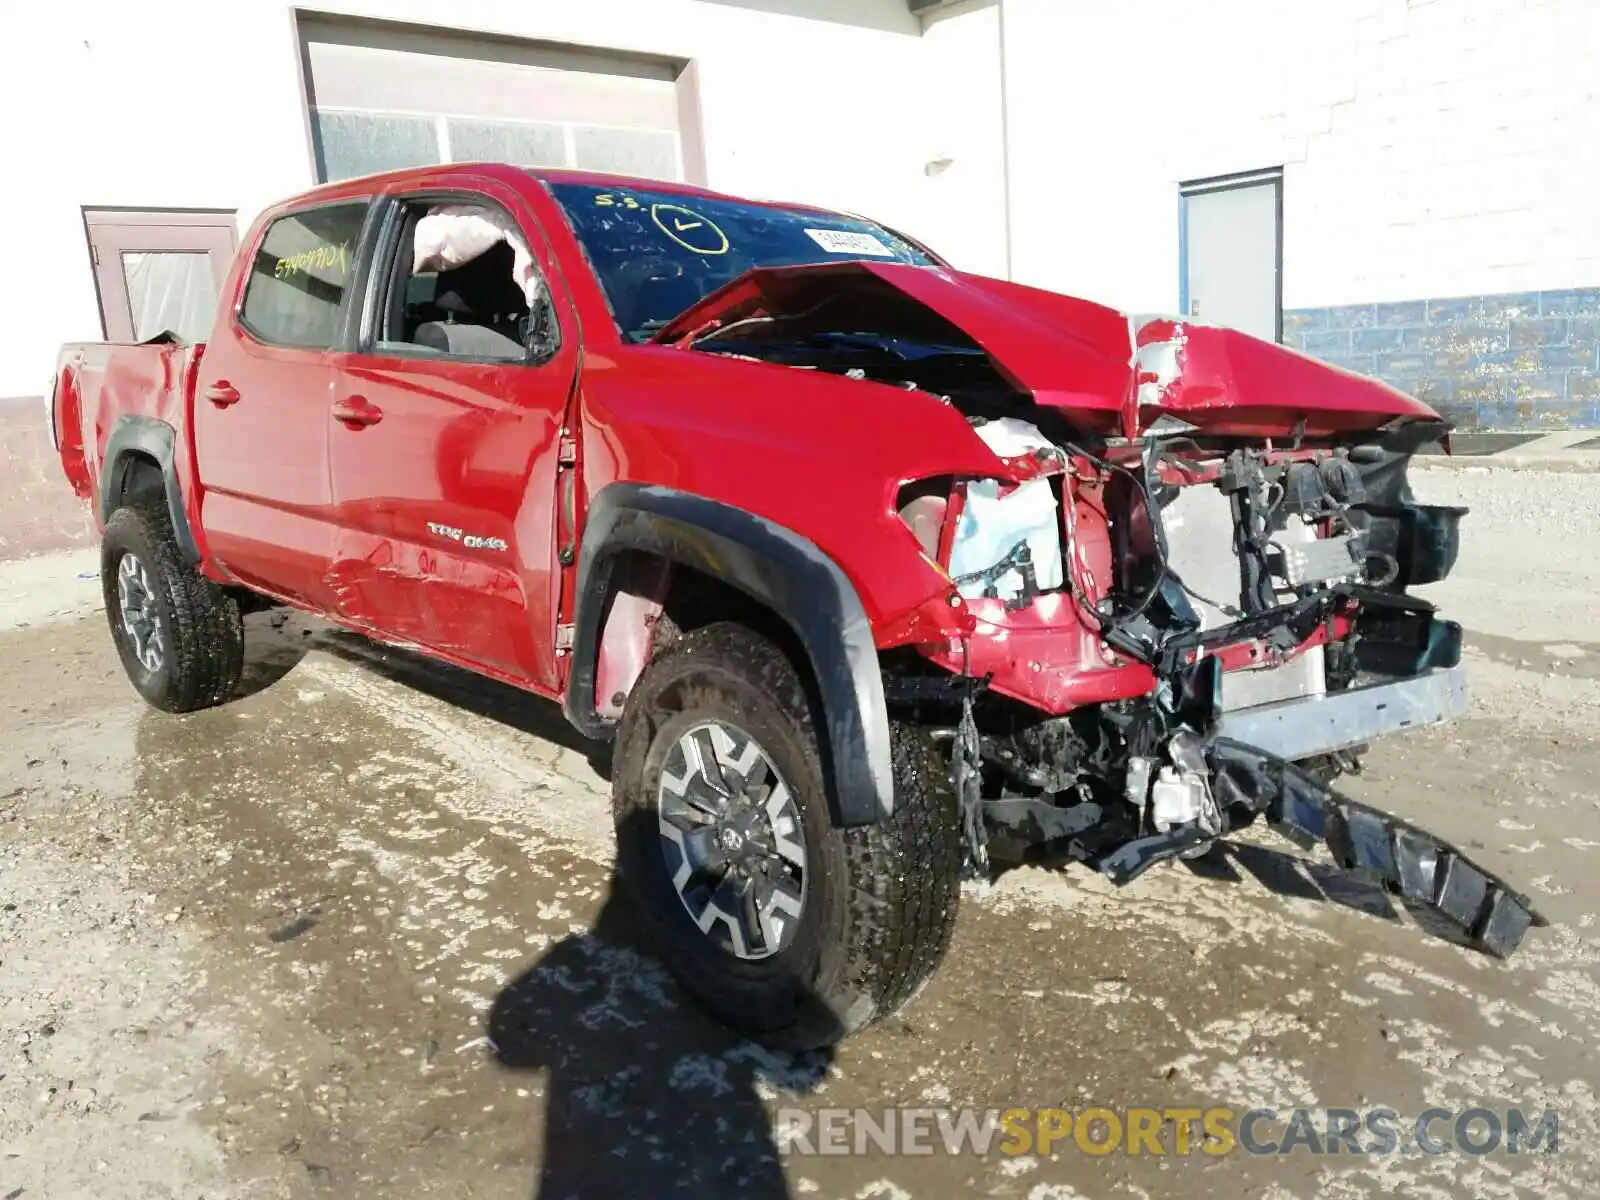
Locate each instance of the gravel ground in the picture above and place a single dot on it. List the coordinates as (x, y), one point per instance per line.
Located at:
(355, 935)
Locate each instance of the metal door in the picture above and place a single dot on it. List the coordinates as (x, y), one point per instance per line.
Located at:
(1232, 256)
(444, 469)
(262, 393)
(159, 271)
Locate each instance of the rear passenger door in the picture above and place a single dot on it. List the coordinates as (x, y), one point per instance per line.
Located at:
(262, 404)
(444, 443)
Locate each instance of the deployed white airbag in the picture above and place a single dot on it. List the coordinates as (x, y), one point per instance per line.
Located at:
(992, 525)
(454, 234)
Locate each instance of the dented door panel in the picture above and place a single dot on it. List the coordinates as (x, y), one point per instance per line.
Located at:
(444, 481)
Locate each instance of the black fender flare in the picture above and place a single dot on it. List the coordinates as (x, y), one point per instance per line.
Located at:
(147, 436)
(779, 569)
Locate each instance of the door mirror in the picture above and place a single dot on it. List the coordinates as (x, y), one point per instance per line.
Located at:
(543, 330)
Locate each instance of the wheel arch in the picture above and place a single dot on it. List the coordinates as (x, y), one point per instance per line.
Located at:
(136, 443)
(787, 575)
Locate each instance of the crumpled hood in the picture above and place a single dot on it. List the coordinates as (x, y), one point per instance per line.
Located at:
(1221, 378)
(1121, 373)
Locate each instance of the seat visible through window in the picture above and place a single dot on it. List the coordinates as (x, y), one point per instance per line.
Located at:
(475, 308)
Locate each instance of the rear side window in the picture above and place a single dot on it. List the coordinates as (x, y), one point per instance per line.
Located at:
(300, 275)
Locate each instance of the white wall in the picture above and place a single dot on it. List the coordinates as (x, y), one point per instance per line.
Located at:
(963, 204)
(1430, 147)
(198, 105)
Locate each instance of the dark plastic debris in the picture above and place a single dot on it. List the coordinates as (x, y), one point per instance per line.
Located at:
(1425, 870)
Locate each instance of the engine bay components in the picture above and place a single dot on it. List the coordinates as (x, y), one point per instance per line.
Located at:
(1008, 540)
(1318, 560)
(1181, 794)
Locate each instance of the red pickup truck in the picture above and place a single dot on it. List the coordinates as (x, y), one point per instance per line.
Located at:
(877, 572)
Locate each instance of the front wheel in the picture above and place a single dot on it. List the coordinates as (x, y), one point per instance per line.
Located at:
(785, 926)
(179, 635)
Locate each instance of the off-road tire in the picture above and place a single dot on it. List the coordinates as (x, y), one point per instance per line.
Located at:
(881, 899)
(202, 633)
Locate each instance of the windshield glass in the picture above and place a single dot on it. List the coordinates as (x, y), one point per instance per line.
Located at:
(658, 253)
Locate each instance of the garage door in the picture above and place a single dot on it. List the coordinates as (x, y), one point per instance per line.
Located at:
(382, 97)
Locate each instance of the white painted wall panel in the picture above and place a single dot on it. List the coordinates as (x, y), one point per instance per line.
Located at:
(1430, 147)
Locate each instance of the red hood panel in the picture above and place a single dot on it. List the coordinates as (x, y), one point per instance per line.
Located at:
(1214, 377)
(1065, 352)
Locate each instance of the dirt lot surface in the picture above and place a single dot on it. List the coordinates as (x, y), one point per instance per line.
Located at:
(355, 935)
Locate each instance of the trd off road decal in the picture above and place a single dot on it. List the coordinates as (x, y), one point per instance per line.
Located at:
(471, 541)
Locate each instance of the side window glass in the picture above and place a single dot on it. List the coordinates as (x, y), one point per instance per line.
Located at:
(463, 284)
(300, 275)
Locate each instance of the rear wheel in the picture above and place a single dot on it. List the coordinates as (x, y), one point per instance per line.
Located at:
(179, 635)
(784, 925)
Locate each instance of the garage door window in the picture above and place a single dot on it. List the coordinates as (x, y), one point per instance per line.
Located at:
(300, 276)
(366, 143)
(384, 97)
(531, 143)
(351, 143)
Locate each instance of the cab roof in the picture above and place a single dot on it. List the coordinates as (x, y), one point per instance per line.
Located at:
(369, 185)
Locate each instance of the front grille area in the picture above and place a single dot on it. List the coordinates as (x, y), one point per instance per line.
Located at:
(1198, 524)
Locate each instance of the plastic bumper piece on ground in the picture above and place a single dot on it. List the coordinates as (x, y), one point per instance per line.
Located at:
(1427, 872)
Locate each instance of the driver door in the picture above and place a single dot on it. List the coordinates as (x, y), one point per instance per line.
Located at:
(444, 442)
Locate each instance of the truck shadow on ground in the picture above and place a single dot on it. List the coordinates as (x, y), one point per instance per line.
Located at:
(640, 1094)
(1292, 876)
(644, 1095)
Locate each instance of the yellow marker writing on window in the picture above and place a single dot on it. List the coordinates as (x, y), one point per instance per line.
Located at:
(322, 258)
(691, 230)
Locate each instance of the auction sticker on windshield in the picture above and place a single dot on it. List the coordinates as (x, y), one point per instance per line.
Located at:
(838, 241)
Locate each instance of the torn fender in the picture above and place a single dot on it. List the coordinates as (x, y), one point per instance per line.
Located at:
(777, 568)
(135, 435)
(1217, 378)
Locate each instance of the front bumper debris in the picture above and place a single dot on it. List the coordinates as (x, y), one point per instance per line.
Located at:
(1310, 726)
(1416, 865)
(1427, 872)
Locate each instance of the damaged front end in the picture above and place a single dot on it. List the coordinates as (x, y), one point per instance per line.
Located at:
(1264, 590)
(1251, 635)
(1179, 603)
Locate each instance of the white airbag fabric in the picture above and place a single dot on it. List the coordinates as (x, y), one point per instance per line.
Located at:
(454, 234)
(992, 524)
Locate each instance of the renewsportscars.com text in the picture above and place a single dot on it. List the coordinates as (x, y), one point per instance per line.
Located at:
(1165, 1131)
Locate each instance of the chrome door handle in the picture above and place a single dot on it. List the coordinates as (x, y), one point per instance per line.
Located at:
(222, 393)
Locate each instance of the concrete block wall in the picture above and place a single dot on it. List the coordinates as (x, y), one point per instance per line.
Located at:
(1508, 361)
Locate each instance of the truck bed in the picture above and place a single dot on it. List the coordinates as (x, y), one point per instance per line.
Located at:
(98, 382)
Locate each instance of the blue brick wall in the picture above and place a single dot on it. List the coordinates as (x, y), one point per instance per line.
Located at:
(1523, 360)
